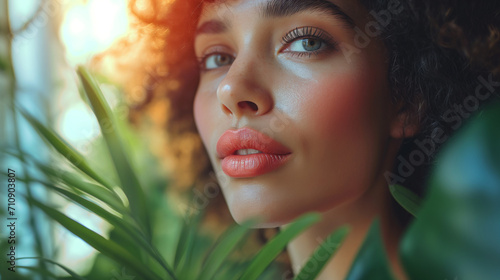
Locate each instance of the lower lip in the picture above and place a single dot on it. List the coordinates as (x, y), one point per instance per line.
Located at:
(245, 166)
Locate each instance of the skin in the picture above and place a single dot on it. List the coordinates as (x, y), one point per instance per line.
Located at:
(334, 112)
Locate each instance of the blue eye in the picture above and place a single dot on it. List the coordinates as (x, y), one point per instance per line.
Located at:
(216, 60)
(306, 44)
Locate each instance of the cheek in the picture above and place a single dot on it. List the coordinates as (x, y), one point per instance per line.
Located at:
(344, 128)
(203, 116)
(347, 105)
(207, 112)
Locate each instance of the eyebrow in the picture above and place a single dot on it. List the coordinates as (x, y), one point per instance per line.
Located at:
(212, 27)
(283, 8)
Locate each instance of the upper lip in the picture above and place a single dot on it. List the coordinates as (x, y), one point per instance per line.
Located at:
(246, 138)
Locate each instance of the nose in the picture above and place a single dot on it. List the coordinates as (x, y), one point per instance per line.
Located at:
(244, 90)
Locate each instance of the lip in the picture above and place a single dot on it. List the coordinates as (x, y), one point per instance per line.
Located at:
(273, 156)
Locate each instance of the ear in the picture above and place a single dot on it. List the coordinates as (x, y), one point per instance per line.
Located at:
(405, 124)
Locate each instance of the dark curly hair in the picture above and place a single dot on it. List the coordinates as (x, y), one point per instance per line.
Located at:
(439, 52)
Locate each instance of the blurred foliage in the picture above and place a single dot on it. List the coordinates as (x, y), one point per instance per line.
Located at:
(457, 232)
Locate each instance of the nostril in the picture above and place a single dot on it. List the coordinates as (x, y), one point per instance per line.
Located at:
(248, 104)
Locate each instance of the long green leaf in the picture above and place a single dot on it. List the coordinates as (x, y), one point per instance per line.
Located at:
(123, 228)
(187, 227)
(72, 180)
(107, 247)
(38, 270)
(181, 244)
(69, 271)
(323, 254)
(65, 149)
(96, 209)
(226, 244)
(406, 198)
(185, 246)
(115, 144)
(76, 183)
(274, 247)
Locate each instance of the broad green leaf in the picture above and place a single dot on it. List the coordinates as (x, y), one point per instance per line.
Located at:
(225, 246)
(274, 247)
(65, 149)
(406, 198)
(69, 271)
(371, 261)
(457, 235)
(323, 254)
(107, 247)
(115, 144)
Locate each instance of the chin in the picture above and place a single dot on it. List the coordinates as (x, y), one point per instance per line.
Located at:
(266, 217)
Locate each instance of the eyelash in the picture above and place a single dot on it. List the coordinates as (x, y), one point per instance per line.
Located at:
(305, 32)
(309, 32)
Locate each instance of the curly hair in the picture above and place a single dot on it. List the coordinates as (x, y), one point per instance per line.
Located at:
(437, 52)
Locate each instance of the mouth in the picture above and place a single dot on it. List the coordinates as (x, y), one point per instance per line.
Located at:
(246, 153)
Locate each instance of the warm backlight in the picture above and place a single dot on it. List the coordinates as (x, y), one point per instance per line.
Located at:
(92, 27)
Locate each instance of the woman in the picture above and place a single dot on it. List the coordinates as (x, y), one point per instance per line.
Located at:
(313, 105)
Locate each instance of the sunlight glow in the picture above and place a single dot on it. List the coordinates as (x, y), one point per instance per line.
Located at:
(78, 126)
(91, 28)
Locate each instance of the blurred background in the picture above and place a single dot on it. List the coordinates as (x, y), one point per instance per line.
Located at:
(41, 43)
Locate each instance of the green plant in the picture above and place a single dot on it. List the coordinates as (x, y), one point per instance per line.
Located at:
(457, 232)
(130, 215)
(454, 237)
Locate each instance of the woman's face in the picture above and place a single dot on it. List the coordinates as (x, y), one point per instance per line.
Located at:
(280, 69)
